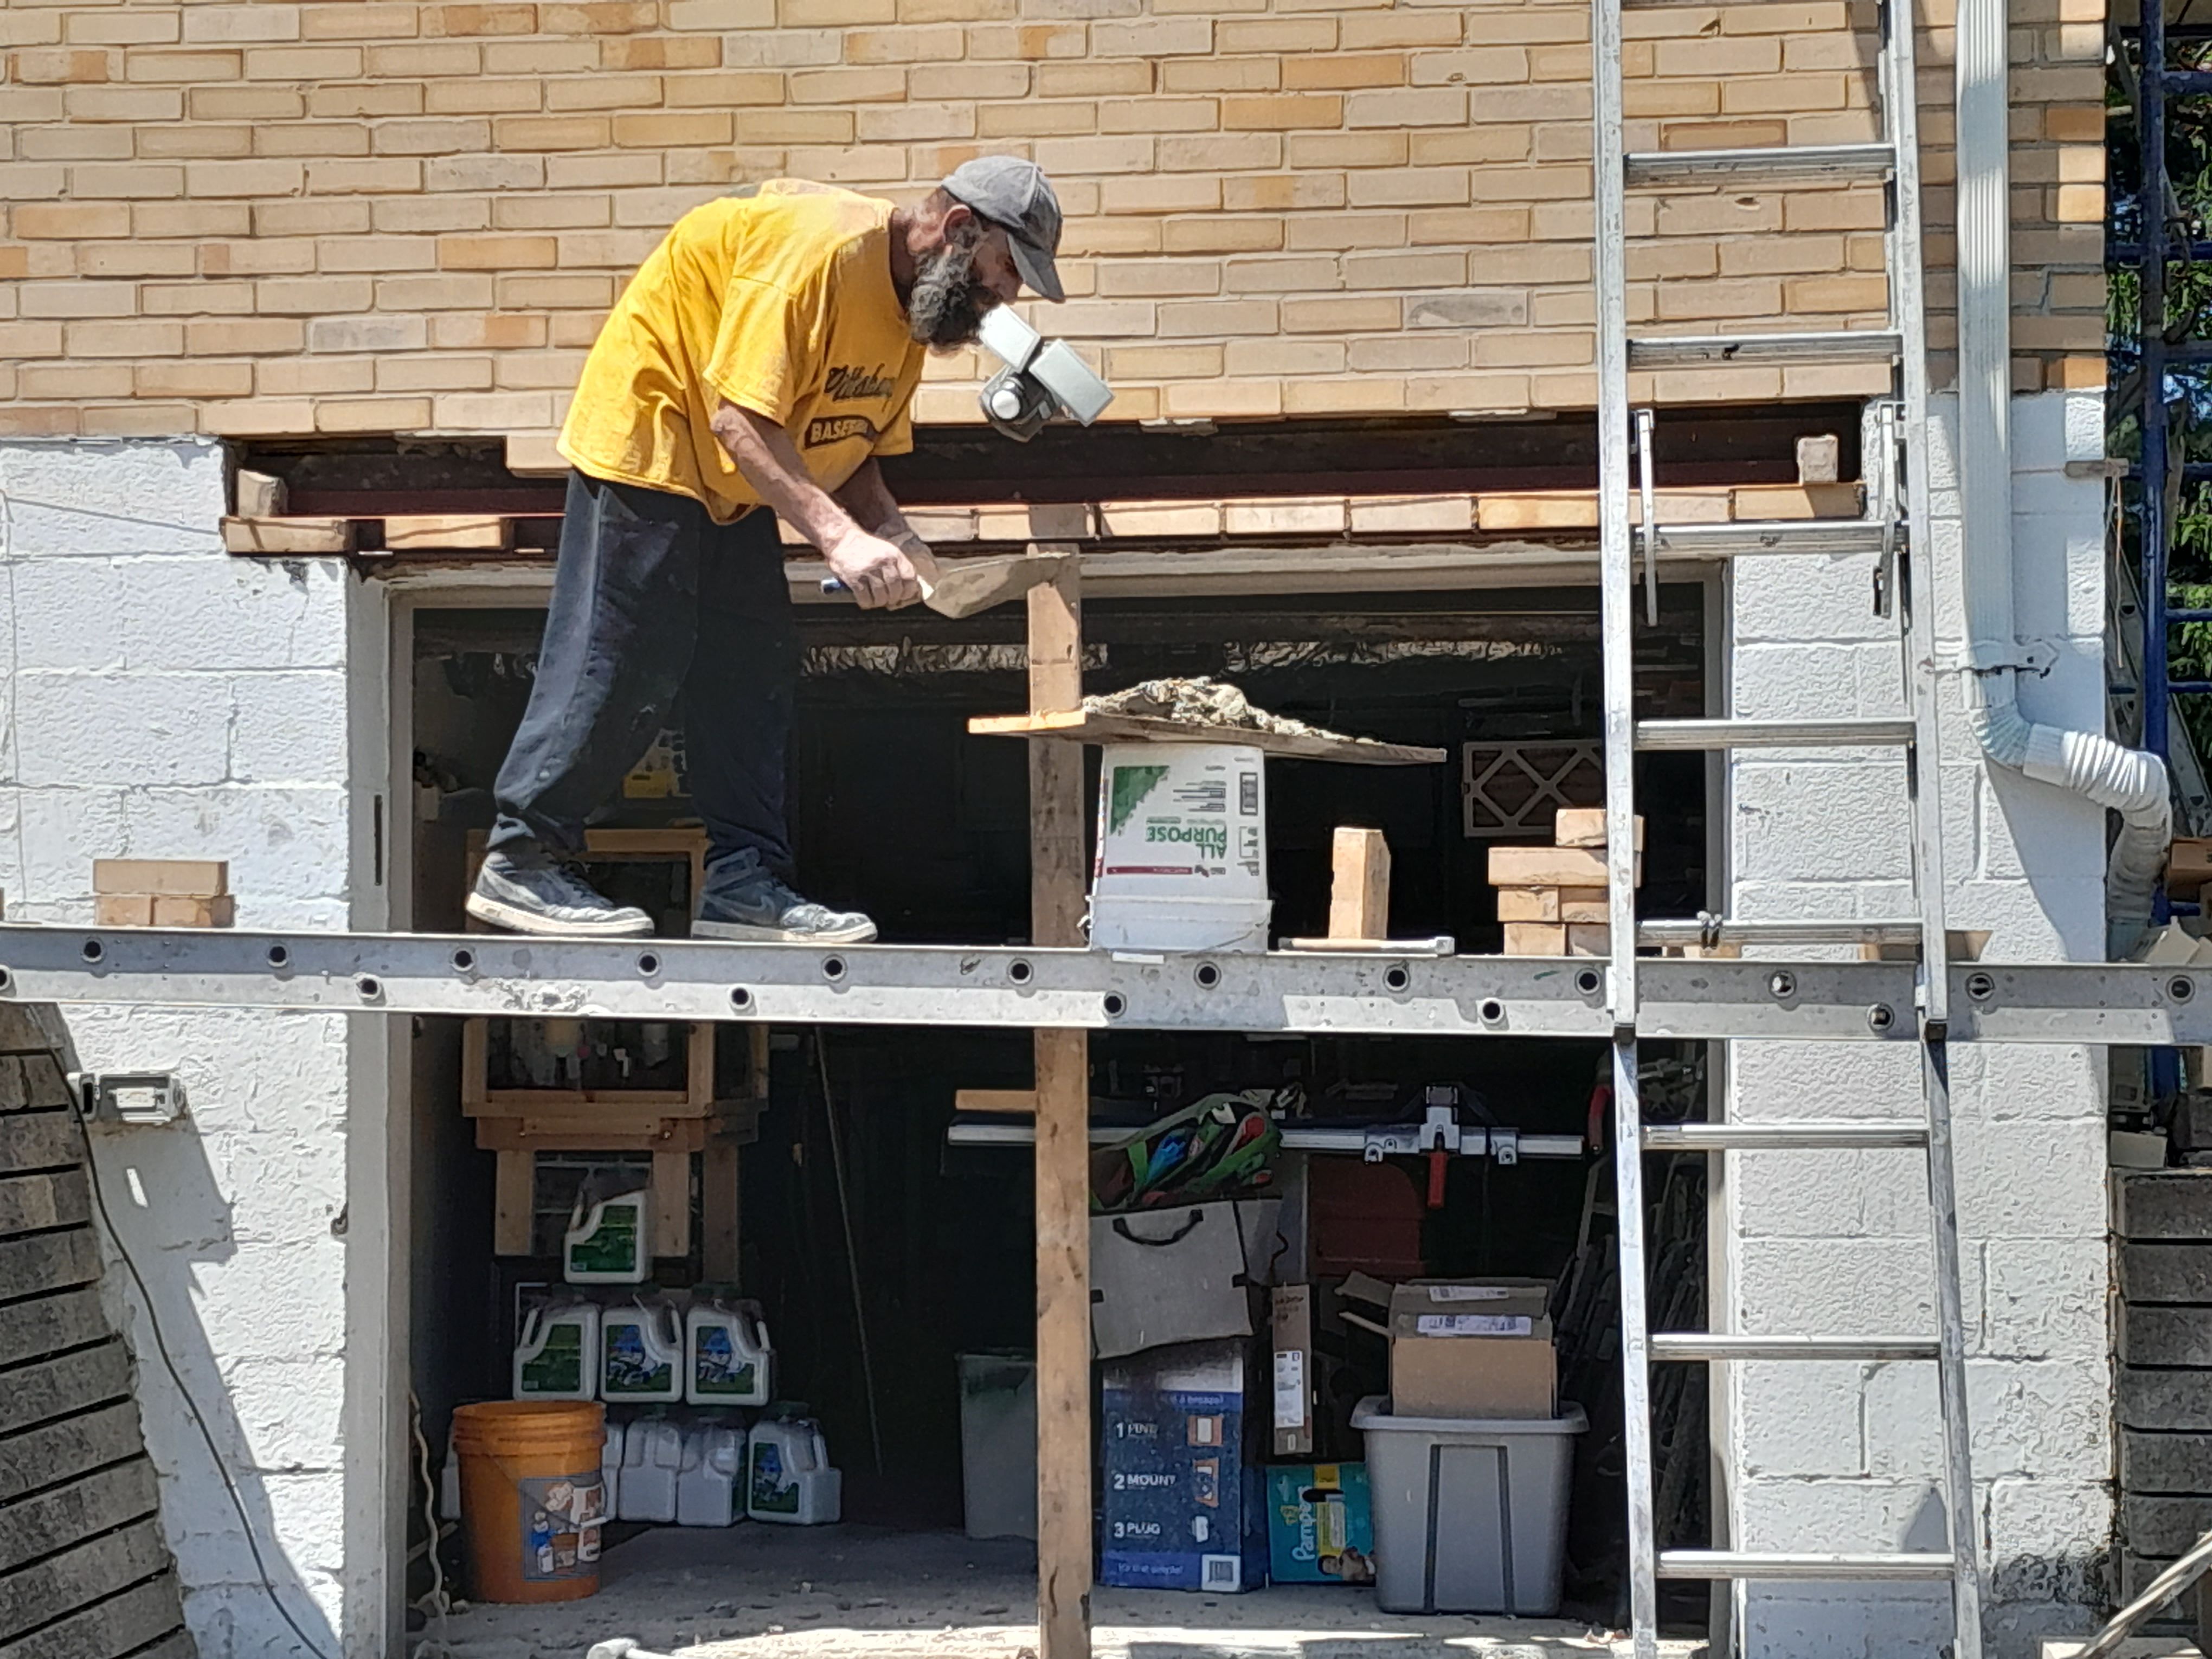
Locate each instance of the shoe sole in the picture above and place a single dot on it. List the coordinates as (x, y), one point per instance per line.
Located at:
(751, 935)
(517, 920)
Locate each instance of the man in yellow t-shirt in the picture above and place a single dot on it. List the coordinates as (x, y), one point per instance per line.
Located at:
(757, 364)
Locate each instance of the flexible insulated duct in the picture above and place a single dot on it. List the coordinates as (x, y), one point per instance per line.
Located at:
(2130, 782)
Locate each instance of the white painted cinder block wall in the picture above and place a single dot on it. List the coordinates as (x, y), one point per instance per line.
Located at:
(163, 700)
(1845, 1457)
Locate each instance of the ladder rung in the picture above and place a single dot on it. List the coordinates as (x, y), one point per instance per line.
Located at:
(1772, 734)
(1732, 1563)
(1797, 164)
(1830, 536)
(1809, 1135)
(1845, 930)
(1694, 1345)
(1705, 350)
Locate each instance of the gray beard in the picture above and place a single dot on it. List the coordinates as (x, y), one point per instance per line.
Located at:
(947, 305)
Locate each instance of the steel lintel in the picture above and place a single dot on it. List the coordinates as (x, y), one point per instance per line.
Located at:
(1013, 985)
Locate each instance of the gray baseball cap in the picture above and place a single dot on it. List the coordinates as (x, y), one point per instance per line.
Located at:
(1015, 196)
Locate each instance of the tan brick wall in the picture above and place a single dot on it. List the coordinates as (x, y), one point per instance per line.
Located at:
(380, 215)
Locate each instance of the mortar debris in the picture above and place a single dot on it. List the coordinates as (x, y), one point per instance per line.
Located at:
(1206, 701)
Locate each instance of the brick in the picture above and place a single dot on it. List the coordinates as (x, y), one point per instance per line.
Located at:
(245, 103)
(162, 877)
(237, 178)
(412, 60)
(1406, 107)
(243, 336)
(360, 20)
(1345, 72)
(373, 415)
(192, 379)
(1276, 34)
(1354, 313)
(123, 910)
(1158, 115)
(1155, 38)
(1220, 74)
(66, 65)
(524, 132)
(70, 221)
(73, 382)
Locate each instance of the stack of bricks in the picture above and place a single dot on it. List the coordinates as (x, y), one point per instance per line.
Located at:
(1552, 900)
(161, 893)
(338, 216)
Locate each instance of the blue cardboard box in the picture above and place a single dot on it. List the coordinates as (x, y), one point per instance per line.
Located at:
(1320, 1525)
(1185, 1499)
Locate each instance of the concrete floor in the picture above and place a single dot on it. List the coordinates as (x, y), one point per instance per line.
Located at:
(757, 1592)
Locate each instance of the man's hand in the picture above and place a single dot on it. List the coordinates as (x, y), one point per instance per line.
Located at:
(880, 576)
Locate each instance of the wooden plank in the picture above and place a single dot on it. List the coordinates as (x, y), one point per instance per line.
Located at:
(40, 1140)
(720, 1211)
(672, 1203)
(2166, 1401)
(420, 532)
(103, 1500)
(34, 1203)
(1018, 1101)
(588, 1106)
(476, 1064)
(1062, 1159)
(514, 1194)
(58, 1451)
(2156, 1273)
(121, 1625)
(1360, 888)
(49, 1262)
(1080, 727)
(169, 877)
(1584, 826)
(699, 1078)
(80, 1576)
(42, 1325)
(2163, 1203)
(533, 1134)
(75, 1381)
(272, 536)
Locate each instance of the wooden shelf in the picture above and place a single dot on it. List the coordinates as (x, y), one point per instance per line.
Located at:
(1076, 726)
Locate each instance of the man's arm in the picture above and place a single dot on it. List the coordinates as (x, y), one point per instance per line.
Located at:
(878, 574)
(870, 501)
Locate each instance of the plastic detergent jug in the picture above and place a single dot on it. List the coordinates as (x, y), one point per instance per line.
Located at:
(787, 1475)
(558, 1355)
(652, 1455)
(707, 1486)
(607, 1242)
(641, 1353)
(610, 1457)
(726, 1356)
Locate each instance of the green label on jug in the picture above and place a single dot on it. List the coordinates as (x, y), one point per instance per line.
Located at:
(558, 1367)
(771, 1491)
(718, 1370)
(628, 1368)
(611, 1247)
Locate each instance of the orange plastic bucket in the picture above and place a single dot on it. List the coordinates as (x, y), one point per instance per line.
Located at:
(532, 1497)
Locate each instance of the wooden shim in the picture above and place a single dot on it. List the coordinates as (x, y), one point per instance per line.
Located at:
(2164, 1525)
(1584, 826)
(271, 536)
(40, 1140)
(1359, 890)
(167, 878)
(33, 1203)
(672, 1203)
(422, 533)
(101, 1501)
(1536, 939)
(42, 1325)
(1553, 904)
(2166, 1401)
(1013, 1102)
(80, 1576)
(720, 1213)
(33, 1082)
(514, 1195)
(2165, 1462)
(2153, 1273)
(73, 1382)
(1551, 866)
(1077, 726)
(49, 1262)
(2166, 1336)
(2164, 1204)
(55, 1452)
(124, 1624)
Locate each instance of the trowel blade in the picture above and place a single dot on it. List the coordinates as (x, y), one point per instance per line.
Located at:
(964, 586)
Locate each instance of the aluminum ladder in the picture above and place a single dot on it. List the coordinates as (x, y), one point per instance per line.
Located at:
(1893, 531)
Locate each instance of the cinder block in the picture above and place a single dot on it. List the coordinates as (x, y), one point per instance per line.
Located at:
(2165, 1205)
(2166, 1401)
(2153, 1463)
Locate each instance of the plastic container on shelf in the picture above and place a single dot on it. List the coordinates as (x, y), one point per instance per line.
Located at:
(653, 1456)
(707, 1487)
(1182, 862)
(727, 1357)
(557, 1355)
(787, 1475)
(531, 1499)
(641, 1353)
(610, 1457)
(609, 1241)
(998, 1443)
(1470, 1514)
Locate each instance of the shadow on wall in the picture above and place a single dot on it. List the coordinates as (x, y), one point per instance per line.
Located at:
(162, 1202)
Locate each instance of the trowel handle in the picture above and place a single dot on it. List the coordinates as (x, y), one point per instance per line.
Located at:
(831, 585)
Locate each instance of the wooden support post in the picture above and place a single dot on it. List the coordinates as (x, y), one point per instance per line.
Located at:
(514, 1199)
(672, 1203)
(1359, 899)
(1063, 1144)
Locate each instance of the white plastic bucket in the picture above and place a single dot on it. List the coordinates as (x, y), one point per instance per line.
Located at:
(1182, 862)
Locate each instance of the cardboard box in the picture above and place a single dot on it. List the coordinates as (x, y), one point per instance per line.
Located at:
(1465, 1348)
(1296, 1373)
(1185, 1500)
(1321, 1526)
(1183, 1272)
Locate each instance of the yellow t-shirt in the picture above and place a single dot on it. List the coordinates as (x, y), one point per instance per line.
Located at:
(779, 301)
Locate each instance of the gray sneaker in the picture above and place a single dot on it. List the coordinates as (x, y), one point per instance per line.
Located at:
(529, 892)
(745, 902)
